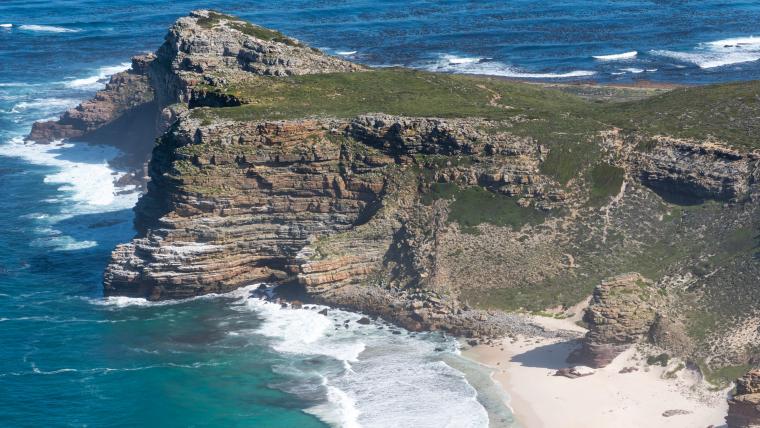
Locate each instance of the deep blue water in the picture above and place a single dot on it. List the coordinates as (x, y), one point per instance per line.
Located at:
(68, 357)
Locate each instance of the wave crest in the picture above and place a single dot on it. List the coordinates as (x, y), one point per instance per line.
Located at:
(718, 53)
(47, 28)
(486, 66)
(616, 57)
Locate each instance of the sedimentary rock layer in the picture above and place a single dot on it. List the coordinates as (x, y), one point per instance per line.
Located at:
(229, 206)
(744, 405)
(620, 314)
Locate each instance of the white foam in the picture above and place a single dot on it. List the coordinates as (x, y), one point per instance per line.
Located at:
(47, 28)
(402, 374)
(98, 80)
(60, 242)
(718, 53)
(302, 331)
(340, 410)
(346, 53)
(617, 57)
(45, 104)
(386, 371)
(485, 66)
(455, 60)
(6, 25)
(122, 301)
(88, 180)
(633, 70)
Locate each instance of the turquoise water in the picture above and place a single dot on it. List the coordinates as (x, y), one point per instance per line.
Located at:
(68, 357)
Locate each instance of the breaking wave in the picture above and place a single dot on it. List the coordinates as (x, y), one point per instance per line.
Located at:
(82, 173)
(617, 57)
(98, 80)
(718, 53)
(366, 370)
(486, 66)
(47, 28)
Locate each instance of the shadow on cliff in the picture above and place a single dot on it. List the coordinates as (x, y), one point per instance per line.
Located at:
(552, 356)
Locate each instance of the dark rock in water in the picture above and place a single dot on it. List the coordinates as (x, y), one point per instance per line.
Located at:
(323, 312)
(625, 370)
(395, 332)
(363, 320)
(313, 361)
(283, 305)
(296, 304)
(104, 223)
(473, 342)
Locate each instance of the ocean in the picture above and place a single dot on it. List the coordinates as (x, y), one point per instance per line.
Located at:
(69, 357)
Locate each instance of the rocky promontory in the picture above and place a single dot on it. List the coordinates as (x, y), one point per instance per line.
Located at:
(438, 201)
(200, 50)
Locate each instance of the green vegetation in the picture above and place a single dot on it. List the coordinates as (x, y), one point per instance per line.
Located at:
(659, 360)
(727, 112)
(472, 206)
(393, 91)
(606, 181)
(724, 376)
(533, 297)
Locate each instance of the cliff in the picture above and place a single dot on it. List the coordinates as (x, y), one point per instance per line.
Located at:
(744, 405)
(621, 313)
(435, 200)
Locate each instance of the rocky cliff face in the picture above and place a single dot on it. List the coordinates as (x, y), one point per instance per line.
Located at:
(744, 405)
(227, 208)
(325, 204)
(620, 314)
(697, 170)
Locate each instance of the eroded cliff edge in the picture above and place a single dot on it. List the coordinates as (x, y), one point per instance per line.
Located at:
(440, 201)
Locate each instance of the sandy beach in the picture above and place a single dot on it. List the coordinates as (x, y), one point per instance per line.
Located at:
(525, 369)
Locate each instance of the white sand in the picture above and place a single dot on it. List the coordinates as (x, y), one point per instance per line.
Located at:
(605, 399)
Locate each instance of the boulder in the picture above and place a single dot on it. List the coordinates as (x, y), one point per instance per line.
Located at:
(744, 405)
(620, 314)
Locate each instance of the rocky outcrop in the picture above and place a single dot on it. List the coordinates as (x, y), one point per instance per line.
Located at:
(233, 205)
(201, 51)
(744, 405)
(515, 174)
(121, 115)
(620, 314)
(695, 170)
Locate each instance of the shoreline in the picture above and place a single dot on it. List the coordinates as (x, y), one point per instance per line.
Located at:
(523, 367)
